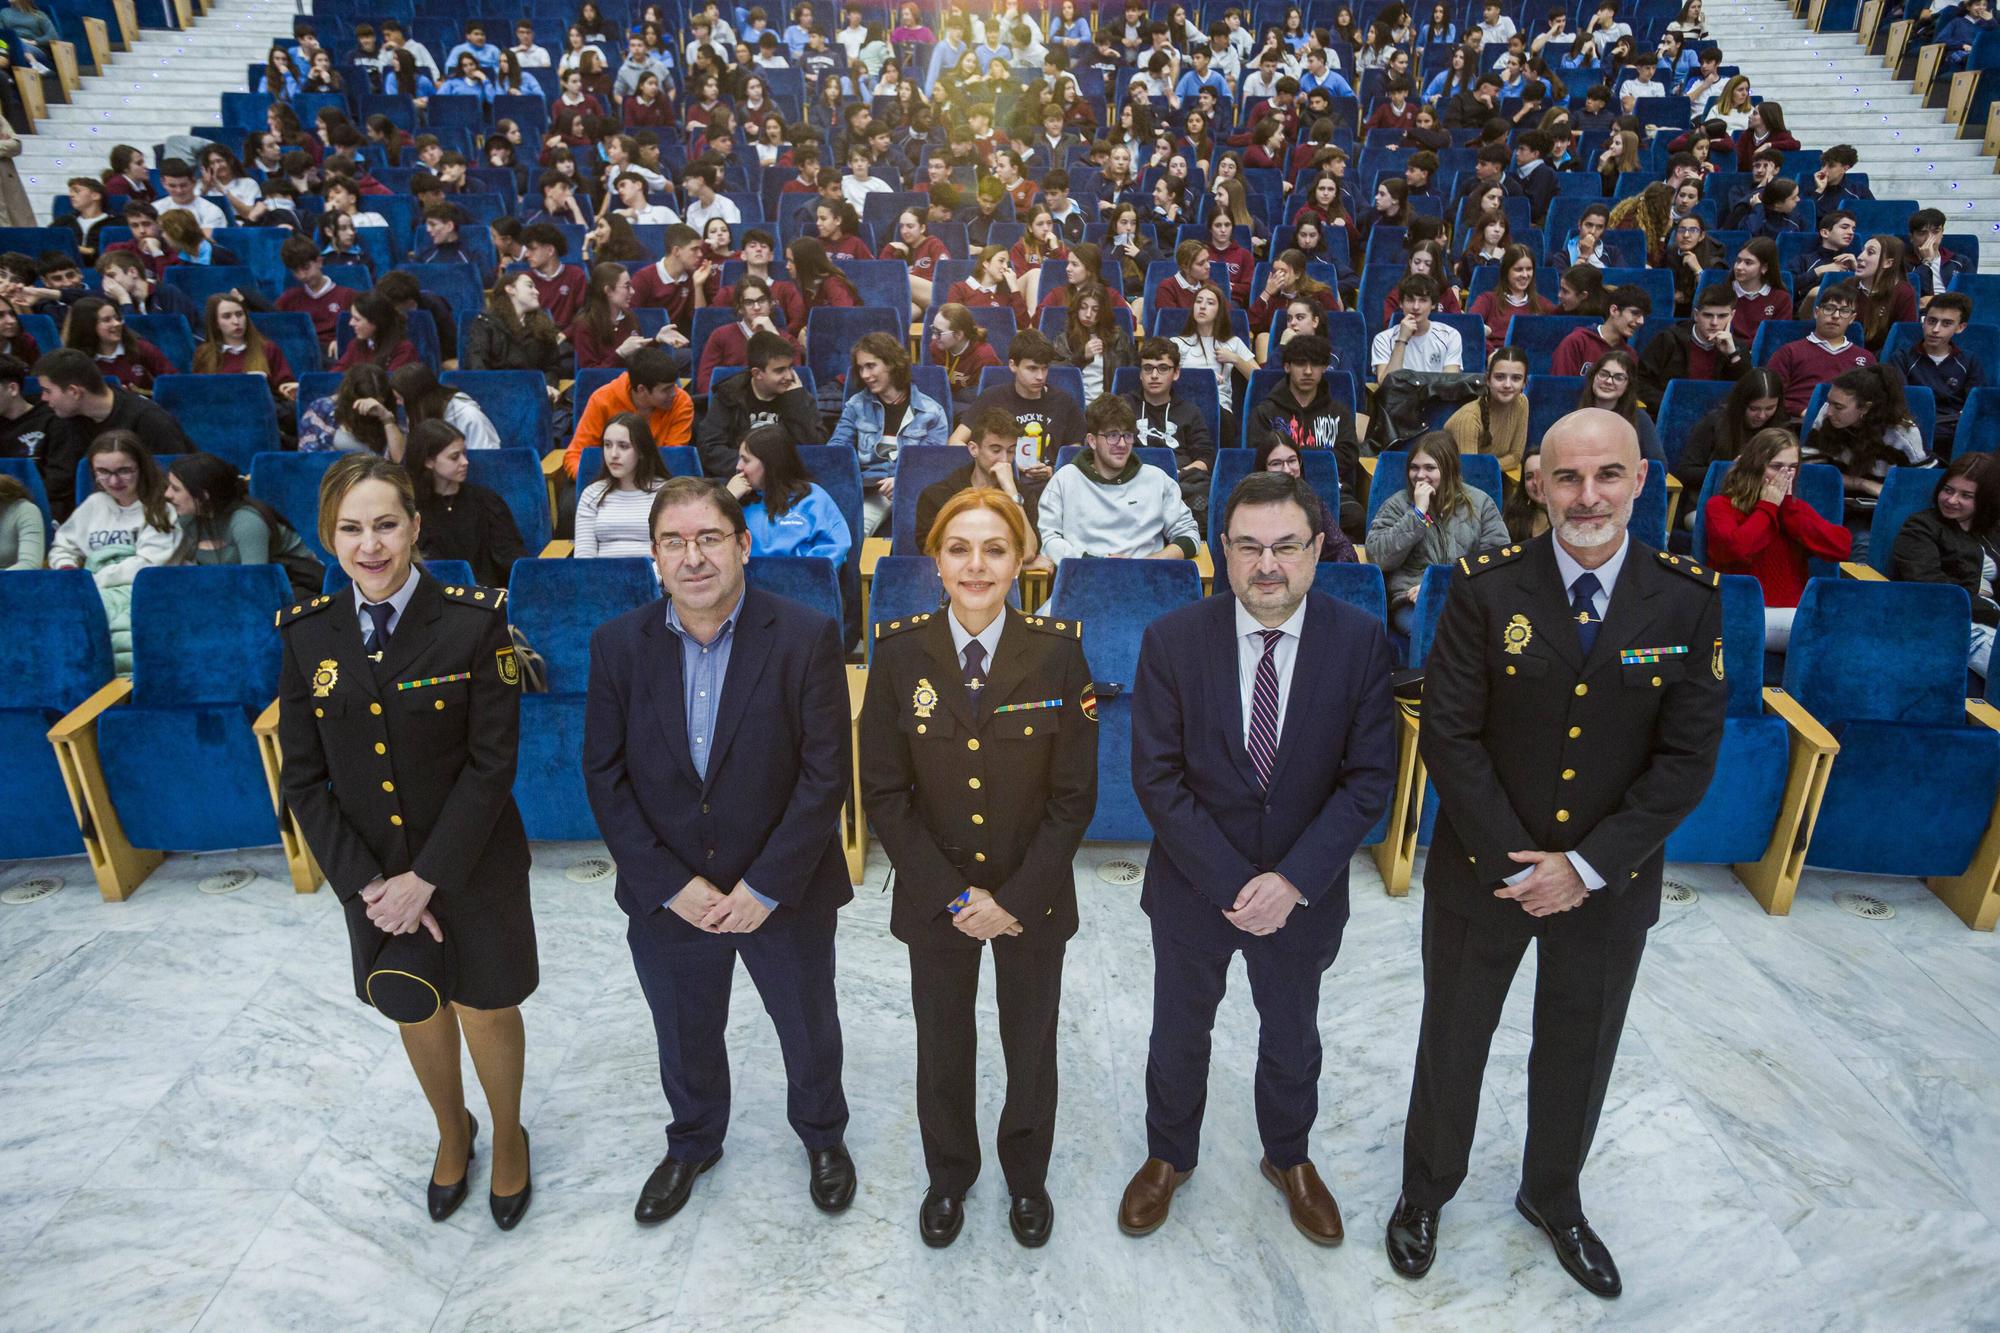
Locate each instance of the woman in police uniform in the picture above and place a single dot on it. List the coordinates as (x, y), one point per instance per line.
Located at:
(399, 713)
(979, 775)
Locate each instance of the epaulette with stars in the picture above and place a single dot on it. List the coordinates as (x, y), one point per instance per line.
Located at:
(298, 610)
(884, 629)
(1485, 560)
(1694, 569)
(470, 595)
(1061, 629)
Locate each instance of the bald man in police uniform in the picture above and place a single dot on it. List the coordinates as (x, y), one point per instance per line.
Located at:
(1573, 706)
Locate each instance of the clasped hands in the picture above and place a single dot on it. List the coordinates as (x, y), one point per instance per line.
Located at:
(401, 904)
(708, 908)
(1553, 886)
(1264, 904)
(983, 918)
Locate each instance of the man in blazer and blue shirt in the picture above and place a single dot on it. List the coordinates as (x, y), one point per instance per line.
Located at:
(1262, 753)
(716, 755)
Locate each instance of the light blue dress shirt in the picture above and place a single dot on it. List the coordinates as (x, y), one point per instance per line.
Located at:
(704, 668)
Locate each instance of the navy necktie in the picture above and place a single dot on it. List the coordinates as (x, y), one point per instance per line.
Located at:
(1583, 610)
(378, 616)
(975, 667)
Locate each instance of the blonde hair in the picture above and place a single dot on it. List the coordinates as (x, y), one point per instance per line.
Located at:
(350, 472)
(980, 497)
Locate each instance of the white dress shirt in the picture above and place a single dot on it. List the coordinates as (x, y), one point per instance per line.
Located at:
(399, 599)
(989, 638)
(1250, 651)
(1600, 605)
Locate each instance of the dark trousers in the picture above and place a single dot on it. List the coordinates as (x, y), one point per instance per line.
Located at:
(686, 975)
(1582, 988)
(943, 986)
(1187, 989)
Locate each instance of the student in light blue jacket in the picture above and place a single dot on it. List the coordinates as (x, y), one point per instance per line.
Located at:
(886, 414)
(785, 511)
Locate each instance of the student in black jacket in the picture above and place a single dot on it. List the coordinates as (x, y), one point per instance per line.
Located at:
(462, 520)
(1703, 349)
(767, 393)
(1169, 421)
(1948, 543)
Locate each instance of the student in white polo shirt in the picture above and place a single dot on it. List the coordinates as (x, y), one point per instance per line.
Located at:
(1414, 342)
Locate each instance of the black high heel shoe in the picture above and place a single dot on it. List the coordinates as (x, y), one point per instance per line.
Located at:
(445, 1199)
(508, 1210)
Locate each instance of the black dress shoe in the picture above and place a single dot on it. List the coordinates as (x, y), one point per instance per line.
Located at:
(509, 1209)
(445, 1199)
(1413, 1238)
(668, 1188)
(832, 1178)
(1033, 1217)
(939, 1220)
(1584, 1256)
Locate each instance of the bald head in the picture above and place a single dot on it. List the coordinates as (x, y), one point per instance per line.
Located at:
(1591, 470)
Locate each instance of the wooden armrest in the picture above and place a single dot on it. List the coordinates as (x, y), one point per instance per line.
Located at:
(552, 463)
(1204, 561)
(872, 551)
(1368, 464)
(84, 715)
(1983, 713)
(267, 721)
(558, 550)
(1673, 484)
(1803, 724)
(1512, 474)
(98, 38)
(857, 690)
(1854, 569)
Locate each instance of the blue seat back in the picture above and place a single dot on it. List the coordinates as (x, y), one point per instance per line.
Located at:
(458, 284)
(1067, 380)
(1430, 606)
(1885, 652)
(883, 284)
(515, 401)
(917, 466)
(557, 604)
(1905, 491)
(1648, 520)
(1198, 389)
(1743, 643)
(290, 483)
(1360, 586)
(168, 332)
(1918, 399)
(516, 476)
(61, 613)
(219, 416)
(1684, 403)
(832, 331)
(587, 383)
(24, 471)
(803, 578)
(1538, 336)
(1550, 399)
(292, 331)
(1319, 467)
(206, 635)
(903, 586)
(198, 282)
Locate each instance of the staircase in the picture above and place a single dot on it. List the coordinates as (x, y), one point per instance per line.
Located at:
(1833, 92)
(167, 83)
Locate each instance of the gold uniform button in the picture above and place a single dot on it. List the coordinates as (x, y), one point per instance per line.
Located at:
(1027, 731)
(1574, 732)
(375, 709)
(972, 744)
(979, 819)
(397, 820)
(1581, 689)
(319, 712)
(921, 728)
(388, 786)
(1562, 816)
(979, 856)
(1472, 860)
(381, 748)
(1510, 670)
(1569, 775)
(972, 783)
(439, 705)
(1656, 681)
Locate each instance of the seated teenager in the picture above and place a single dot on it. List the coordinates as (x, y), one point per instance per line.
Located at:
(1496, 422)
(221, 523)
(461, 520)
(23, 533)
(1303, 410)
(1044, 421)
(1756, 401)
(1276, 455)
(1433, 520)
(993, 283)
(756, 312)
(990, 436)
(1757, 526)
(1414, 342)
(1626, 309)
(233, 346)
(361, 415)
(766, 393)
(1939, 364)
(784, 509)
(651, 387)
(316, 294)
(1705, 348)
(513, 332)
(120, 528)
(1107, 503)
(888, 413)
(612, 513)
(1823, 355)
(1208, 345)
(424, 399)
(1864, 428)
(96, 327)
(1167, 420)
(379, 335)
(1952, 542)
(1515, 295)
(1613, 385)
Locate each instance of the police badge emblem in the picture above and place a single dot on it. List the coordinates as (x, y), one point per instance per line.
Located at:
(326, 678)
(1517, 634)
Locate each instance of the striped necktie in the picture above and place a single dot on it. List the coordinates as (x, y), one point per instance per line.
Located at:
(1263, 745)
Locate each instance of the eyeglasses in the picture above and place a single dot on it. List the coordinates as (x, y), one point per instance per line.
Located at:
(1613, 377)
(1249, 552)
(114, 473)
(708, 543)
(1115, 437)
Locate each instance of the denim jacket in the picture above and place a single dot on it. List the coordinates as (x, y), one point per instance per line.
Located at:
(860, 429)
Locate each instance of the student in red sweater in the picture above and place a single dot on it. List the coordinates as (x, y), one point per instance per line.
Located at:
(1767, 130)
(1823, 355)
(560, 285)
(839, 229)
(730, 344)
(379, 335)
(919, 249)
(97, 327)
(1756, 525)
(1042, 242)
(1178, 292)
(1885, 295)
(757, 254)
(821, 283)
(1627, 308)
(1395, 111)
(993, 283)
(234, 347)
(1760, 291)
(316, 294)
(606, 332)
(669, 285)
(958, 343)
(1225, 249)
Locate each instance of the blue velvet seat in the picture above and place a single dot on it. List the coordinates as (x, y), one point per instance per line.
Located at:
(205, 657)
(803, 578)
(903, 586)
(219, 416)
(1759, 808)
(1684, 403)
(289, 483)
(883, 284)
(1648, 520)
(198, 282)
(556, 605)
(1918, 398)
(588, 382)
(24, 471)
(293, 331)
(1905, 491)
(1116, 600)
(836, 470)
(1550, 399)
(458, 284)
(60, 612)
(1882, 666)
(1538, 336)
(918, 466)
(421, 330)
(515, 401)
(516, 474)
(170, 333)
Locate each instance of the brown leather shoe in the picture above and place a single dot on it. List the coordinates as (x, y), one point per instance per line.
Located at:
(1143, 1210)
(1314, 1212)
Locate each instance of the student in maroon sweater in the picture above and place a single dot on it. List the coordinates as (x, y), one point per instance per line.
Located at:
(1823, 355)
(379, 335)
(97, 327)
(840, 229)
(234, 347)
(560, 285)
(1223, 248)
(1767, 130)
(1760, 290)
(316, 294)
(1628, 307)
(730, 344)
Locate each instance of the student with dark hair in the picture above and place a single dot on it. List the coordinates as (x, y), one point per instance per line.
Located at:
(315, 294)
(1939, 364)
(123, 526)
(379, 335)
(1496, 422)
(86, 408)
(425, 399)
(232, 345)
(650, 386)
(1825, 353)
(24, 423)
(756, 311)
(1757, 401)
(612, 512)
(560, 285)
(767, 393)
(1626, 311)
(221, 523)
(785, 511)
(1864, 428)
(96, 327)
(513, 332)
(462, 520)
(1759, 288)
(1612, 384)
(1950, 543)
(1776, 211)
(1044, 421)
(1107, 503)
(1704, 348)
(1304, 411)
(1932, 265)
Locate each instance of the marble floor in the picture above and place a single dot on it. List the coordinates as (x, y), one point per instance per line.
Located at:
(200, 1128)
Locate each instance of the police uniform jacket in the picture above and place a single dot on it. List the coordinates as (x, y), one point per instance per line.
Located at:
(1535, 747)
(990, 789)
(408, 764)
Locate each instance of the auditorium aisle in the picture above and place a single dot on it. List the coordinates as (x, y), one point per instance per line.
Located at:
(202, 1129)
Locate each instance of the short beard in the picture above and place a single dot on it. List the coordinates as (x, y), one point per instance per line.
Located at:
(1573, 534)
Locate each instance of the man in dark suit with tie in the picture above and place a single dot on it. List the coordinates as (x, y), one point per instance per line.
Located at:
(716, 754)
(1262, 755)
(1573, 706)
